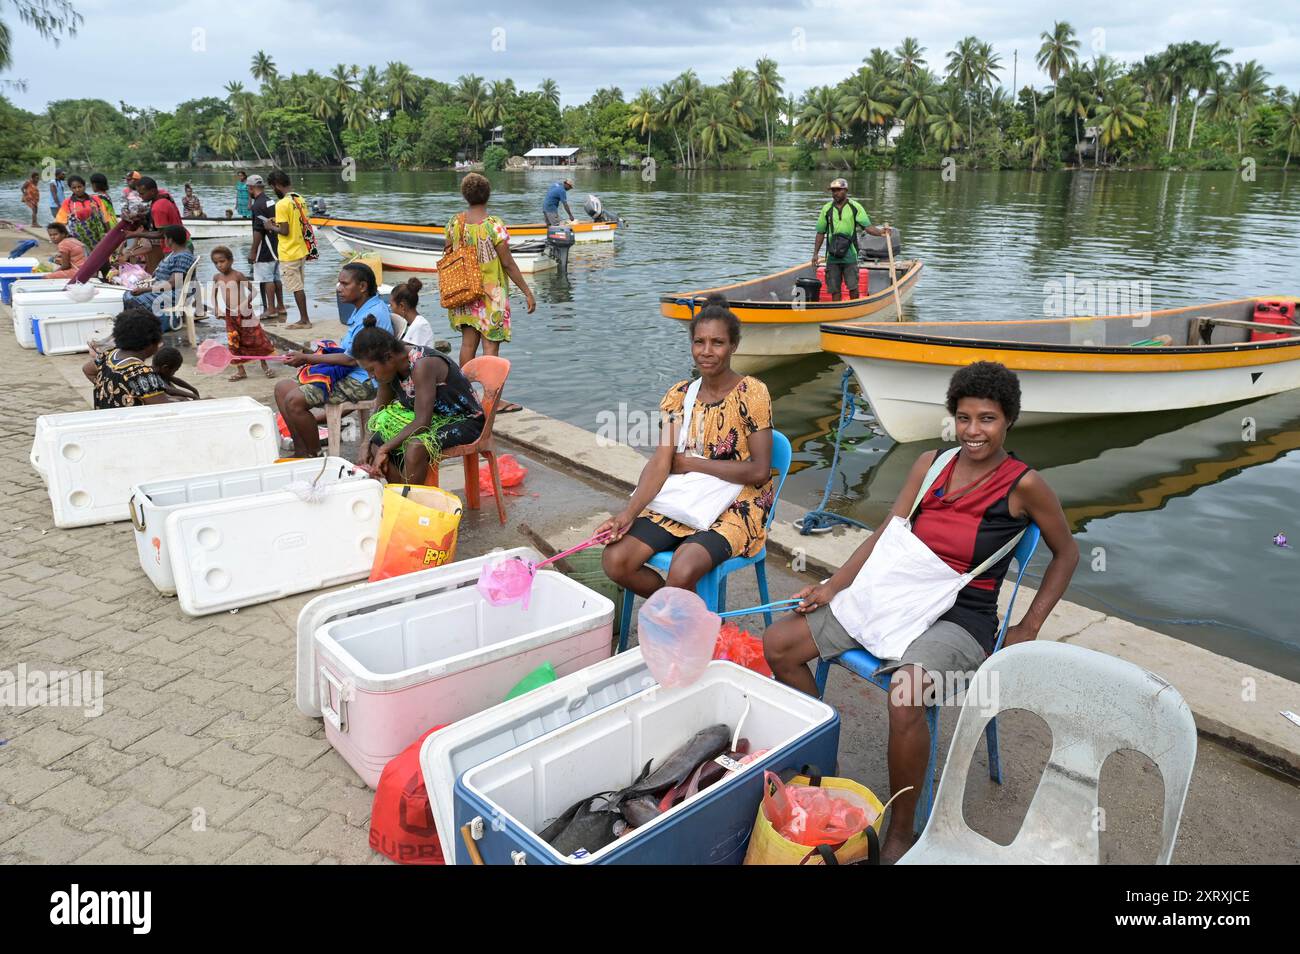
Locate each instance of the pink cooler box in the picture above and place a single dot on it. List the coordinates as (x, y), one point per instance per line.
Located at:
(387, 676)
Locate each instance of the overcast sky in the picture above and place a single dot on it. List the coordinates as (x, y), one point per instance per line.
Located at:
(161, 54)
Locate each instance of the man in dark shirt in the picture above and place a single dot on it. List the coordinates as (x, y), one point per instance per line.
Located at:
(264, 256)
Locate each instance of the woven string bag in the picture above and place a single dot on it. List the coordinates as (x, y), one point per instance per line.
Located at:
(460, 281)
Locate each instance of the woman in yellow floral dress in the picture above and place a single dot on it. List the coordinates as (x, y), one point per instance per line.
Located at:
(488, 319)
(730, 438)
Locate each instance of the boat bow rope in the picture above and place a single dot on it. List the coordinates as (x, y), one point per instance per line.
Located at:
(822, 520)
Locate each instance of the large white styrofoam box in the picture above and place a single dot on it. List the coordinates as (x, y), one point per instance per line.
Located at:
(238, 552)
(90, 460)
(23, 285)
(388, 676)
(70, 334)
(55, 303)
(153, 502)
(451, 751)
(515, 795)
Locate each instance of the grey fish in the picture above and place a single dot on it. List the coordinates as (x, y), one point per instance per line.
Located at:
(590, 828)
(640, 810)
(706, 744)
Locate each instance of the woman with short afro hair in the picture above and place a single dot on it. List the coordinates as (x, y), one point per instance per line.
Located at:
(123, 376)
(977, 504)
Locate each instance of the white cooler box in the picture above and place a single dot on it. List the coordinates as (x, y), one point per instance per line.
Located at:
(507, 800)
(12, 270)
(152, 503)
(387, 676)
(29, 303)
(90, 460)
(454, 750)
(70, 334)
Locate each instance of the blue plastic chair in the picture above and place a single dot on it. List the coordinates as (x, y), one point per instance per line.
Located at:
(862, 663)
(712, 588)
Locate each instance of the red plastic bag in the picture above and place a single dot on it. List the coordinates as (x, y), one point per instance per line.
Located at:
(401, 820)
(512, 475)
(736, 645)
(813, 815)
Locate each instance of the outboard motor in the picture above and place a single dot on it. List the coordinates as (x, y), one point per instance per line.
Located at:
(596, 211)
(873, 246)
(559, 239)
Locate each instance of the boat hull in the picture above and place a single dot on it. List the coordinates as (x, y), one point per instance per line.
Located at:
(904, 374)
(420, 260)
(219, 228)
(774, 333)
(583, 232)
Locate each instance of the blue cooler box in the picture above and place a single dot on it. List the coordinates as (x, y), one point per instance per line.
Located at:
(12, 269)
(506, 800)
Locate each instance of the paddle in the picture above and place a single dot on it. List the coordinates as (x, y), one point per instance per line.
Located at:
(893, 276)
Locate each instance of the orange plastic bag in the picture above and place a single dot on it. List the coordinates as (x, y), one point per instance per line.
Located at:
(512, 475)
(418, 530)
(738, 646)
(831, 812)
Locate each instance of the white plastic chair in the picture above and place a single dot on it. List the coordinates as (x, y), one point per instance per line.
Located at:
(1094, 704)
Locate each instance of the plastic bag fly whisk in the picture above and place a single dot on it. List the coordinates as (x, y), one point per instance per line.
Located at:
(213, 357)
(511, 580)
(677, 633)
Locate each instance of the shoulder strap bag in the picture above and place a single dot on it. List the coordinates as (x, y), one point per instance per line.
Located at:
(694, 499)
(460, 280)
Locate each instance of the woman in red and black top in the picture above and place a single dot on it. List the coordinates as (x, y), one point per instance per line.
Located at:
(977, 504)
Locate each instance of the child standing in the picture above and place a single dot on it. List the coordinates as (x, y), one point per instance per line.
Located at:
(166, 362)
(243, 329)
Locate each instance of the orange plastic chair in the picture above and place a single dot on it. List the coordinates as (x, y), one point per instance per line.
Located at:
(491, 372)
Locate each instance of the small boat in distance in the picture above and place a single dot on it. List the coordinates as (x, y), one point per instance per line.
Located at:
(780, 322)
(218, 228)
(1197, 356)
(582, 231)
(420, 251)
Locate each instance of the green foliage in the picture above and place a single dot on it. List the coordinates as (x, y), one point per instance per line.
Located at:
(803, 159)
(494, 158)
(531, 120)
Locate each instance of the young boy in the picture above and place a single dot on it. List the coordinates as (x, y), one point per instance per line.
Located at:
(234, 303)
(166, 363)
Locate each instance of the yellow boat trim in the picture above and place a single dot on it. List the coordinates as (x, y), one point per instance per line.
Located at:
(958, 354)
(784, 313)
(531, 228)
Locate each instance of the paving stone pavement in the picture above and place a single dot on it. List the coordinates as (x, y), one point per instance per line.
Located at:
(200, 754)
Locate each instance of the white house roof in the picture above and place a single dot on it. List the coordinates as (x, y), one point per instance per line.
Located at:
(563, 152)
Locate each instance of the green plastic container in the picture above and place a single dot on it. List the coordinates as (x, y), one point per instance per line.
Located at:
(584, 567)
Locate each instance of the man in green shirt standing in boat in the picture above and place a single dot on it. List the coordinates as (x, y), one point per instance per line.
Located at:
(838, 224)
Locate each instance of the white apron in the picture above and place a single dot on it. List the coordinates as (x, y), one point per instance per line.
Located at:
(904, 587)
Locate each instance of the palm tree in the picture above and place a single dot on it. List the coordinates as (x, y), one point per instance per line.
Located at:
(1179, 64)
(987, 66)
(245, 106)
(501, 97)
(1208, 63)
(716, 126)
(1060, 51)
(400, 83)
(910, 60)
(945, 122)
(49, 18)
(221, 138)
(1040, 136)
(687, 97)
(472, 94)
(964, 70)
(919, 101)
(1290, 130)
(1246, 91)
(644, 118)
(664, 120)
(550, 91)
(822, 119)
(1073, 97)
(1120, 116)
(263, 68)
(882, 63)
(739, 93)
(867, 99)
(767, 94)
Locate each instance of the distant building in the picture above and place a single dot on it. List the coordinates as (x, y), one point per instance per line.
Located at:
(895, 133)
(553, 156)
(497, 137)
